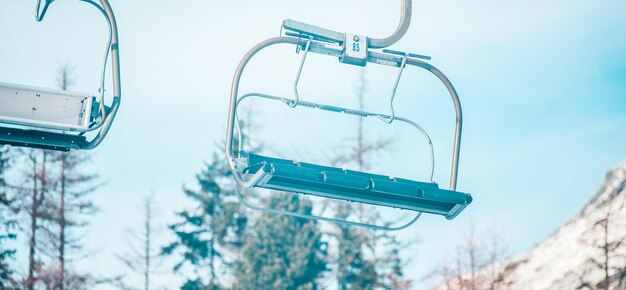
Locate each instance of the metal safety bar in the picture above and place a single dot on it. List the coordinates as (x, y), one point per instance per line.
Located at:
(106, 113)
(386, 119)
(390, 119)
(294, 103)
(323, 218)
(347, 111)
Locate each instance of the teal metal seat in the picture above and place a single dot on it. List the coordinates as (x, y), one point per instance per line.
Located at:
(375, 189)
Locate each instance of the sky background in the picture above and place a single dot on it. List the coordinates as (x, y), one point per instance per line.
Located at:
(542, 84)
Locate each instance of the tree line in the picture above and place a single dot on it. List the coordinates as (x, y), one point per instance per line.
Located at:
(49, 203)
(217, 243)
(221, 245)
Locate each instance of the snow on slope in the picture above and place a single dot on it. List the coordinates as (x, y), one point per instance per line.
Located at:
(563, 260)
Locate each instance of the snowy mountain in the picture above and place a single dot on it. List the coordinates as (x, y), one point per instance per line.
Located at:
(584, 253)
(576, 255)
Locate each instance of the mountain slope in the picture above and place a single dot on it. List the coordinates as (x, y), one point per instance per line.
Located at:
(575, 256)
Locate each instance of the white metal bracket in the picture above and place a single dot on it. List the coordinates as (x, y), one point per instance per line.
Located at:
(354, 50)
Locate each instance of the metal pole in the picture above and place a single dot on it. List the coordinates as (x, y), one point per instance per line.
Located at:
(115, 55)
(115, 66)
(233, 96)
(327, 35)
(456, 151)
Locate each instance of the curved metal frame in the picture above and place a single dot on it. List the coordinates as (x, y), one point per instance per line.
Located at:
(327, 35)
(373, 57)
(403, 27)
(106, 115)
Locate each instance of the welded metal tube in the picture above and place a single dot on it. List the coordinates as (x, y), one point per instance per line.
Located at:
(117, 88)
(403, 26)
(233, 97)
(327, 35)
(456, 151)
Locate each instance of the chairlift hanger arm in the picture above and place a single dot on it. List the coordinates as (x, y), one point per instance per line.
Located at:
(405, 20)
(327, 35)
(353, 49)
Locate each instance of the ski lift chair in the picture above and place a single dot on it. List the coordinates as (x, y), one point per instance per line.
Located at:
(55, 119)
(257, 171)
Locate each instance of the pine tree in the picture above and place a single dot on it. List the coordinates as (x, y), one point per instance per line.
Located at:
(144, 258)
(358, 264)
(390, 265)
(476, 264)
(34, 190)
(59, 207)
(282, 252)
(207, 233)
(608, 249)
(354, 270)
(8, 224)
(72, 209)
(69, 207)
(55, 189)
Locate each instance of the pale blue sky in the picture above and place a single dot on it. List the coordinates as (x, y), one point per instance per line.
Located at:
(542, 83)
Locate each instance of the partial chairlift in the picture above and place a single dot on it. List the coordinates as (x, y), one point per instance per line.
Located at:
(55, 119)
(257, 171)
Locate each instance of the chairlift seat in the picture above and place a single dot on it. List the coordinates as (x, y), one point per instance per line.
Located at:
(375, 189)
(43, 118)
